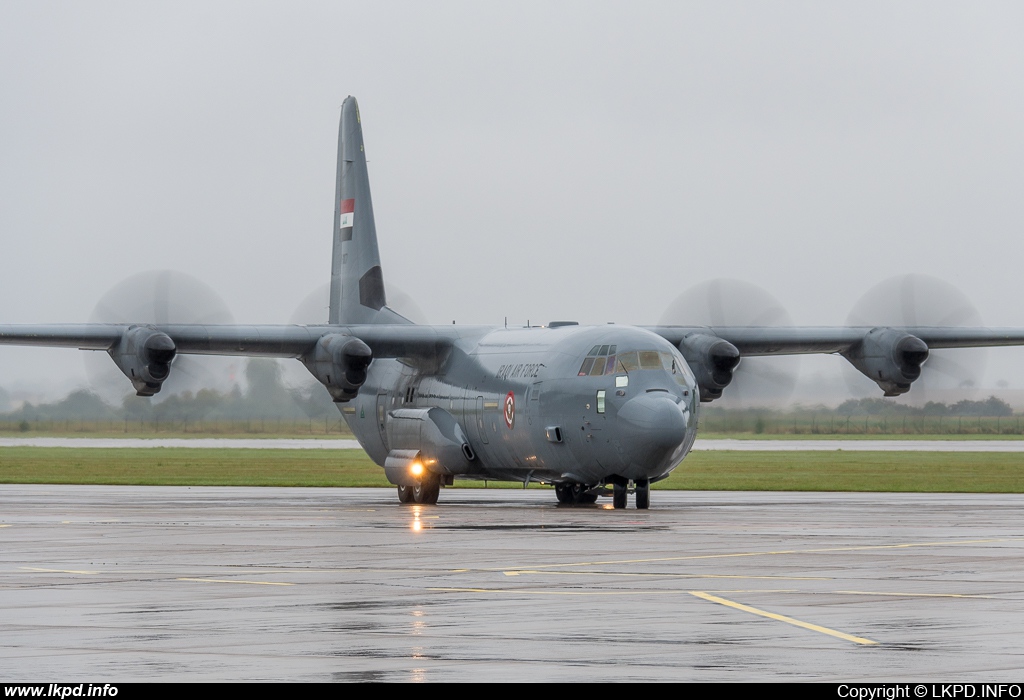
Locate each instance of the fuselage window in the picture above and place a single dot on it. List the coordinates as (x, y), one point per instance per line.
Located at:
(588, 364)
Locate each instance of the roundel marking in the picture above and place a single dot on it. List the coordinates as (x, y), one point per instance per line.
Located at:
(510, 409)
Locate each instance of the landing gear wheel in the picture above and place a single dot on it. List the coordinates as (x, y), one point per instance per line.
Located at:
(427, 490)
(580, 495)
(405, 494)
(643, 494)
(563, 492)
(618, 496)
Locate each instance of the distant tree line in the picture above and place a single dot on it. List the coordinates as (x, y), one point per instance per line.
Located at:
(869, 416)
(264, 396)
(990, 407)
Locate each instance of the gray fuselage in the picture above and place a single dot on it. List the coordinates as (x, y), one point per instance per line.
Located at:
(566, 404)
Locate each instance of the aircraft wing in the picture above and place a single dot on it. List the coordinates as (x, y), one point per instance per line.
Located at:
(889, 356)
(804, 340)
(337, 355)
(253, 341)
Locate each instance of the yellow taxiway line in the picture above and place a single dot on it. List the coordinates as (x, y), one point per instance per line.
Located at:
(698, 594)
(526, 591)
(228, 580)
(525, 572)
(914, 595)
(782, 618)
(734, 555)
(56, 571)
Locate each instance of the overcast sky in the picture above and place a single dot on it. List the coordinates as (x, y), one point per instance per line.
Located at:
(555, 160)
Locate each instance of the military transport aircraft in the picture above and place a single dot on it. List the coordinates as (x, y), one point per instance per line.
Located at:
(585, 409)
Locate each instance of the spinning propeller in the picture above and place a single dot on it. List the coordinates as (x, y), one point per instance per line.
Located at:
(159, 297)
(730, 302)
(920, 300)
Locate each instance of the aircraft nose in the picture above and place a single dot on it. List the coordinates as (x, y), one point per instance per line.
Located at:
(654, 421)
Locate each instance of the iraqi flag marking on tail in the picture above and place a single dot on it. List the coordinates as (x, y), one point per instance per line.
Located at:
(347, 211)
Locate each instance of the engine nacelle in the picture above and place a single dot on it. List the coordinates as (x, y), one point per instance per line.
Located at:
(144, 355)
(339, 362)
(429, 437)
(712, 360)
(892, 359)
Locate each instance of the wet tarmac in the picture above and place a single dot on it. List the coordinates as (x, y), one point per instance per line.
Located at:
(176, 583)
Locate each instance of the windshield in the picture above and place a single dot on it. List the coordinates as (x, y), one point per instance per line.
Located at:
(603, 359)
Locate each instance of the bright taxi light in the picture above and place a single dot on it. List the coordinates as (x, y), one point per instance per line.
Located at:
(416, 469)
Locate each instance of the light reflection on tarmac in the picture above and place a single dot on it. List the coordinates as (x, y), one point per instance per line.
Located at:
(210, 583)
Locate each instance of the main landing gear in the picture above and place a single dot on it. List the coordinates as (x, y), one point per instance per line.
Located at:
(619, 492)
(425, 491)
(641, 489)
(643, 494)
(579, 494)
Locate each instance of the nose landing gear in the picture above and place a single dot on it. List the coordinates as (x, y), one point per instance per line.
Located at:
(575, 494)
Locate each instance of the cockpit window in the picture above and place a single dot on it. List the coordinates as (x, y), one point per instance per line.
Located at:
(600, 360)
(678, 367)
(650, 359)
(629, 361)
(603, 360)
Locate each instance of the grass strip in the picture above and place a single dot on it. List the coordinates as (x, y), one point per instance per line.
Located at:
(836, 470)
(186, 466)
(921, 437)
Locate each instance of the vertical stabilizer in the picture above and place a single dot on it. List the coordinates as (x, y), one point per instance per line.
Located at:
(357, 283)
